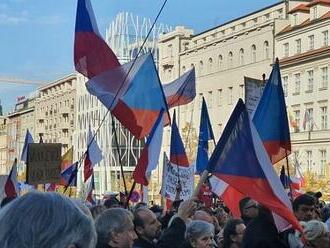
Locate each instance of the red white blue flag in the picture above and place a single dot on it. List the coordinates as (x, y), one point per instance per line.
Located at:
(150, 154)
(271, 119)
(182, 90)
(240, 160)
(92, 55)
(11, 182)
(93, 155)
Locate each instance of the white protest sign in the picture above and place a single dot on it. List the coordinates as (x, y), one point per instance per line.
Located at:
(253, 92)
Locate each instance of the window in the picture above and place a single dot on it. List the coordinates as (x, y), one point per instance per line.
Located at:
(220, 61)
(200, 68)
(230, 60)
(309, 160)
(314, 12)
(295, 19)
(219, 97)
(310, 83)
(286, 49)
(311, 42)
(325, 38)
(210, 99)
(183, 68)
(230, 95)
(170, 50)
(253, 53)
(324, 118)
(297, 84)
(266, 49)
(308, 120)
(324, 82)
(323, 160)
(297, 120)
(210, 65)
(241, 56)
(285, 85)
(298, 46)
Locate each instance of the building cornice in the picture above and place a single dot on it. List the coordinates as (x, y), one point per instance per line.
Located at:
(58, 81)
(302, 58)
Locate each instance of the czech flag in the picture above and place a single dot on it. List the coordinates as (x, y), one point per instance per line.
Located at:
(69, 175)
(182, 90)
(271, 119)
(93, 155)
(150, 154)
(240, 160)
(28, 140)
(205, 134)
(89, 190)
(11, 182)
(92, 56)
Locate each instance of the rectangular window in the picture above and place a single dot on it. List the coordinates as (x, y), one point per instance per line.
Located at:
(324, 83)
(324, 118)
(297, 120)
(298, 46)
(311, 42)
(210, 99)
(285, 85)
(310, 83)
(230, 95)
(323, 160)
(219, 97)
(309, 160)
(286, 50)
(308, 120)
(325, 38)
(297, 84)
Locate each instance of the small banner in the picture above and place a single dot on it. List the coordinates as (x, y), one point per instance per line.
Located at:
(44, 163)
(171, 174)
(253, 91)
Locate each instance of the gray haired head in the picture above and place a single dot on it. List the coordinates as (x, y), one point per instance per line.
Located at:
(45, 220)
(197, 229)
(110, 221)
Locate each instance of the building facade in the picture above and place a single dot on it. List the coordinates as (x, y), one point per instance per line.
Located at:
(3, 146)
(304, 52)
(55, 112)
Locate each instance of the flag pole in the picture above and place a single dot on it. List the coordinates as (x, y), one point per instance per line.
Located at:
(287, 167)
(200, 183)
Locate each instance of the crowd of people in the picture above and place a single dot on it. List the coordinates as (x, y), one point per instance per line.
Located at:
(51, 220)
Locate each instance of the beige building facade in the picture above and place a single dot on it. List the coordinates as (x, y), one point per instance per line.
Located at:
(304, 52)
(3, 146)
(55, 112)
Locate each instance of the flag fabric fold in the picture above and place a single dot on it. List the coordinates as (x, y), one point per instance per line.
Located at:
(240, 160)
(182, 90)
(11, 182)
(28, 140)
(150, 154)
(92, 56)
(69, 175)
(205, 134)
(136, 99)
(67, 160)
(89, 190)
(271, 120)
(93, 155)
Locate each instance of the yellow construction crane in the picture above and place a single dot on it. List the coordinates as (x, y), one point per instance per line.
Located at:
(13, 80)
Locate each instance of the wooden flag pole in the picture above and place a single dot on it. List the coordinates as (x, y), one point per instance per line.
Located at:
(287, 167)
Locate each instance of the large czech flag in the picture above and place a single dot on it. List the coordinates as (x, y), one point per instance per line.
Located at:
(271, 119)
(240, 160)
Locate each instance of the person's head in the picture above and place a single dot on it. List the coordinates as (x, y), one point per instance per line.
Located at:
(140, 205)
(112, 202)
(316, 234)
(303, 207)
(222, 216)
(202, 215)
(45, 220)
(97, 210)
(200, 234)
(146, 224)
(248, 208)
(233, 232)
(115, 228)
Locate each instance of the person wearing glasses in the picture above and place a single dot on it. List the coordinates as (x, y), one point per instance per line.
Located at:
(249, 209)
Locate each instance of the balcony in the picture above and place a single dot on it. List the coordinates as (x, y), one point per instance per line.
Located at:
(65, 125)
(310, 137)
(40, 129)
(65, 110)
(167, 62)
